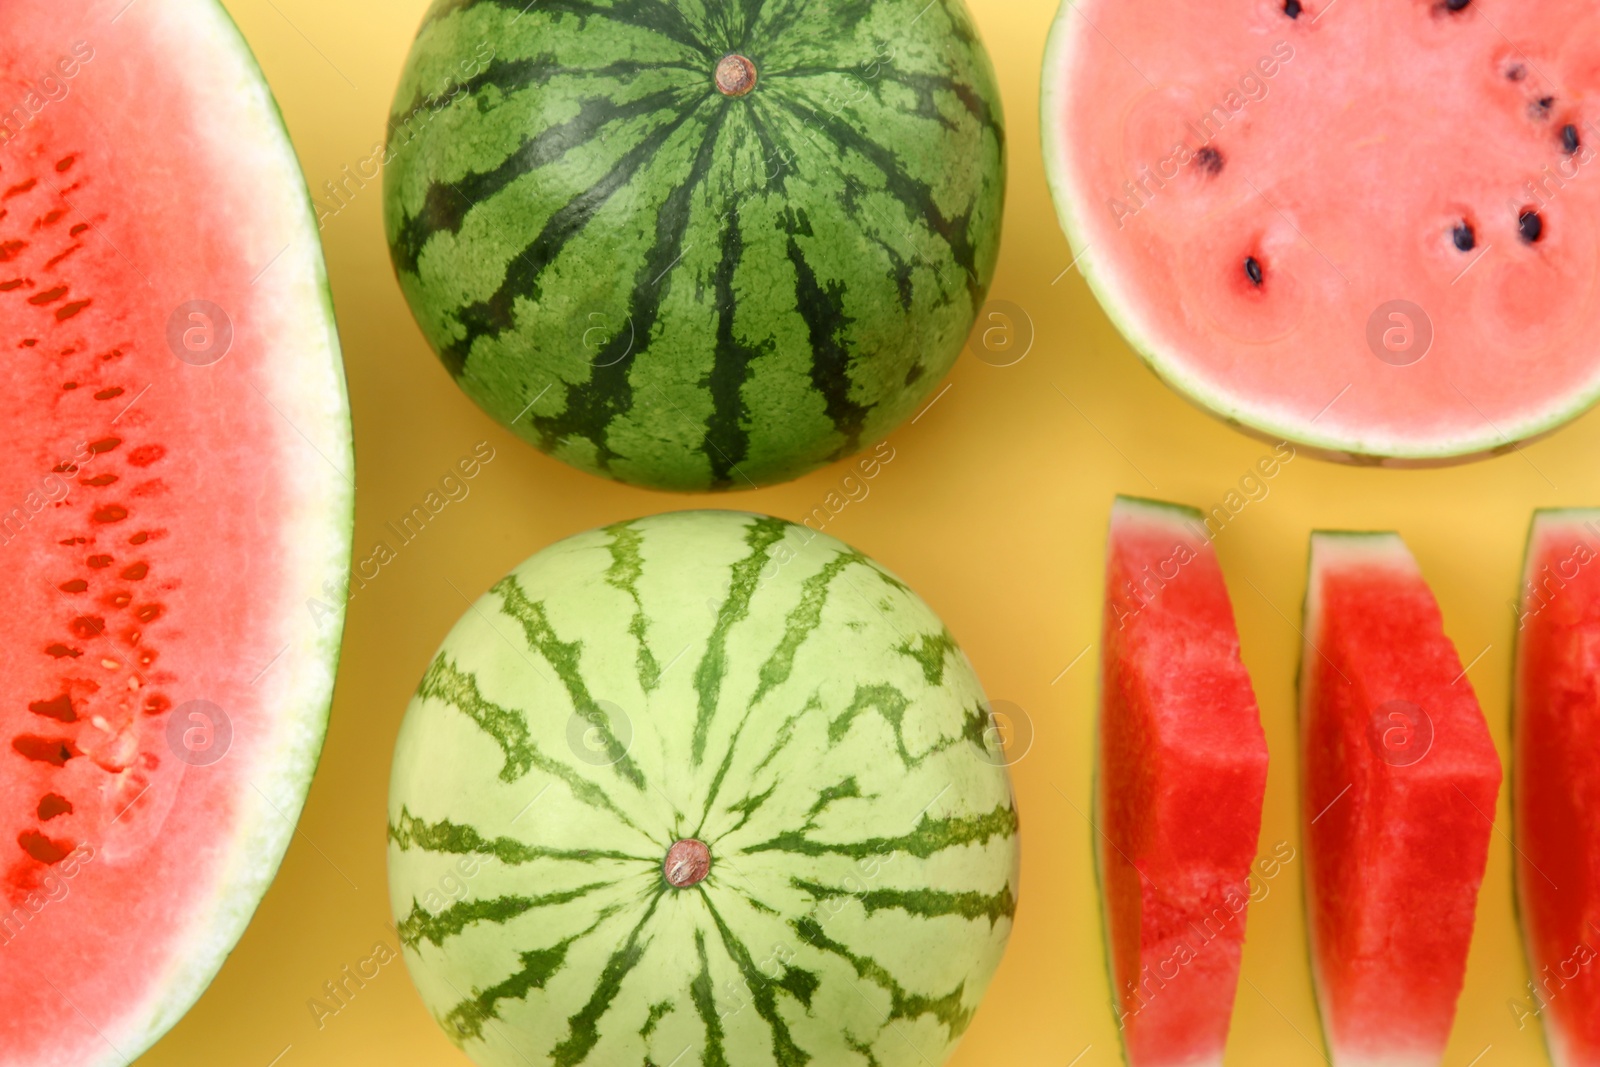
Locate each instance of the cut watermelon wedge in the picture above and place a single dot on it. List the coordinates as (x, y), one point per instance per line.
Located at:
(1556, 781)
(174, 488)
(1365, 227)
(1399, 783)
(1182, 775)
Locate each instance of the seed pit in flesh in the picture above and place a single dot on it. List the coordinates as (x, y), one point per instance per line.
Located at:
(1252, 270)
(687, 864)
(1569, 138)
(1464, 237)
(1530, 225)
(1292, 8)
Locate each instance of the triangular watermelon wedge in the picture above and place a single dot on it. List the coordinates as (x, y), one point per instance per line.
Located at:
(1181, 777)
(1555, 801)
(1399, 780)
(175, 508)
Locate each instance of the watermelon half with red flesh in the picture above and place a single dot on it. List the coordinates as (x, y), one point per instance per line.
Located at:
(1366, 227)
(1399, 780)
(1555, 795)
(175, 466)
(1182, 774)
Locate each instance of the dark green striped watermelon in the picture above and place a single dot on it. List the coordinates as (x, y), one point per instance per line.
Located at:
(696, 245)
(702, 789)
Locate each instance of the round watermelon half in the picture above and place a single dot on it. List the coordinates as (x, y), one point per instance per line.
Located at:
(696, 246)
(701, 788)
(1368, 228)
(174, 486)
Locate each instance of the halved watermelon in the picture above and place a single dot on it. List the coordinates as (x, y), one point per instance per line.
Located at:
(1399, 780)
(1365, 227)
(174, 485)
(1555, 796)
(1182, 773)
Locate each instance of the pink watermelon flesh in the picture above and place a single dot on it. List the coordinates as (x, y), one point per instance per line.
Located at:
(1250, 185)
(1181, 780)
(1556, 781)
(1399, 782)
(163, 520)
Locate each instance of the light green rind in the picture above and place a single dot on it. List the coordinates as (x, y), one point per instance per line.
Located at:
(811, 721)
(662, 284)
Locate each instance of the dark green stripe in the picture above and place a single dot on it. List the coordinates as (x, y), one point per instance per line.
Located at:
(491, 317)
(923, 903)
(565, 657)
(947, 1009)
(591, 407)
(727, 440)
(803, 620)
(446, 205)
(786, 733)
(447, 683)
(455, 839)
(930, 652)
(822, 308)
(422, 925)
(660, 16)
(466, 1020)
(921, 206)
(762, 534)
(584, 1026)
(705, 1005)
(627, 567)
(784, 1050)
(892, 704)
(846, 789)
(931, 836)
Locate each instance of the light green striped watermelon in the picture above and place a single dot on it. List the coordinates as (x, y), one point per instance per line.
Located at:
(699, 244)
(705, 788)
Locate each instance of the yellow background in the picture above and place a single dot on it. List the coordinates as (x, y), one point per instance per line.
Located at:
(994, 509)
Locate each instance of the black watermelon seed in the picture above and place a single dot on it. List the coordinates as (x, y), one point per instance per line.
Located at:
(1464, 238)
(1530, 225)
(1569, 138)
(1209, 159)
(1252, 270)
(1456, 5)
(1292, 8)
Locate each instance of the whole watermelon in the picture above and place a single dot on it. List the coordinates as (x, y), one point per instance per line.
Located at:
(705, 788)
(696, 245)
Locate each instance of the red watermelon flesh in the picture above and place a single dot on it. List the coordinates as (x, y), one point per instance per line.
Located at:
(1364, 226)
(1181, 778)
(174, 493)
(1555, 786)
(1399, 781)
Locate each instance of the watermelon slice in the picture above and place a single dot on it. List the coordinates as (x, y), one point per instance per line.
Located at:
(1365, 227)
(1555, 793)
(1182, 776)
(1399, 783)
(174, 487)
